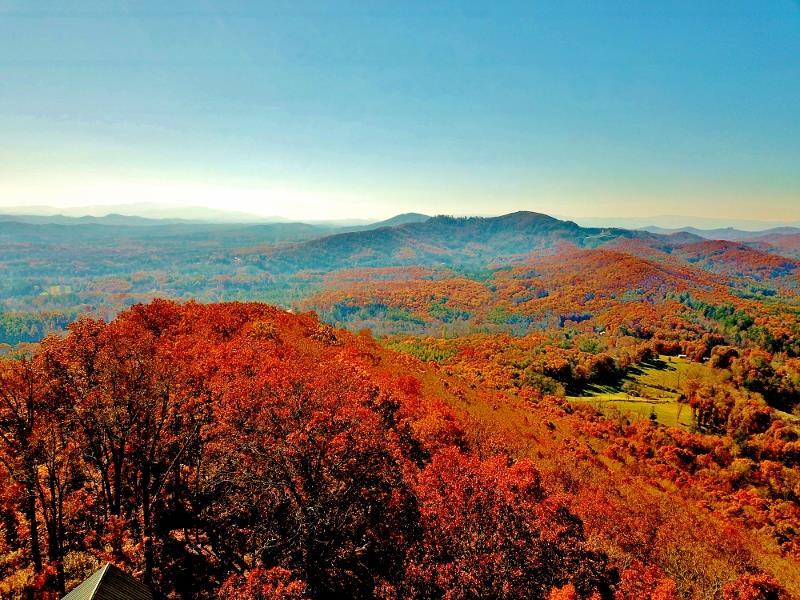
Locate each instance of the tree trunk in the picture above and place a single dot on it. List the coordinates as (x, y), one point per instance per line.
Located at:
(147, 529)
(33, 523)
(55, 545)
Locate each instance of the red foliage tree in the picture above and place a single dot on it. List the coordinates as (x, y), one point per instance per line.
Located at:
(489, 531)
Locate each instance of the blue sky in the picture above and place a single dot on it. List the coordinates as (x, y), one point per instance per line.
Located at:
(338, 109)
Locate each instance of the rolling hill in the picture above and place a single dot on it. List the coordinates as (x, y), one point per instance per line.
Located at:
(448, 240)
(737, 260)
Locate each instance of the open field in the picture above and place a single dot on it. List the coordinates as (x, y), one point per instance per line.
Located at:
(652, 389)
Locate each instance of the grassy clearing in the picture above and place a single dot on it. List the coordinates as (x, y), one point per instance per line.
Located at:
(651, 389)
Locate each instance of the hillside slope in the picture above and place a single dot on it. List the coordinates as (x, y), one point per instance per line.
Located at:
(278, 456)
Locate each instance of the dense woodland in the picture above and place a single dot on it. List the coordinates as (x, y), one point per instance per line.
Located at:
(467, 438)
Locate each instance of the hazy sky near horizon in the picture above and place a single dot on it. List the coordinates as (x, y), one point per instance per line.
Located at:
(315, 110)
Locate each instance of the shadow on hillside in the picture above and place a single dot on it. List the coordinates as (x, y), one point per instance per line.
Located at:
(632, 375)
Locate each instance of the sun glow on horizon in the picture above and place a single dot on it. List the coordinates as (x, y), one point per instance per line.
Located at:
(567, 108)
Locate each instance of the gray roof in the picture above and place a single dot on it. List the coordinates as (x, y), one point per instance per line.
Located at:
(110, 583)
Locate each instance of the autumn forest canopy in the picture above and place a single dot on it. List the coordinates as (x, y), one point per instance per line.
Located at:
(505, 407)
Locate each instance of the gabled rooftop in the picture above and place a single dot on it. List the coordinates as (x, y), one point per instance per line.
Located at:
(110, 583)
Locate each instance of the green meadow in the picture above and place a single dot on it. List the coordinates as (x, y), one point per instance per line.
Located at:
(651, 389)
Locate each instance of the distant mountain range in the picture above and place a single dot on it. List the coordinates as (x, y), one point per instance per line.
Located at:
(145, 213)
(727, 233)
(110, 219)
(679, 222)
(140, 216)
(410, 238)
(143, 210)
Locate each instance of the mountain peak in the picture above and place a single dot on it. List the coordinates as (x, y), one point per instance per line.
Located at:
(527, 216)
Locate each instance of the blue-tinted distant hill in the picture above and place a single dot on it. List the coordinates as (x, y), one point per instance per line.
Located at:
(71, 229)
(451, 241)
(122, 220)
(402, 219)
(110, 219)
(111, 230)
(727, 233)
(146, 210)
